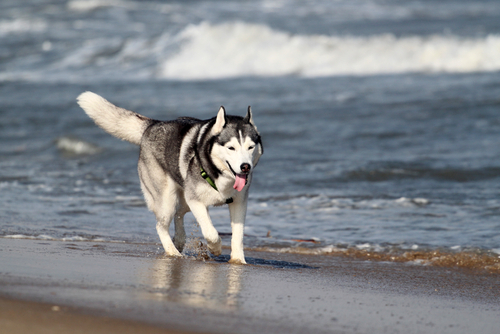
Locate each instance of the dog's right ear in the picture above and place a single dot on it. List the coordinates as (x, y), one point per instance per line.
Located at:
(248, 117)
(219, 122)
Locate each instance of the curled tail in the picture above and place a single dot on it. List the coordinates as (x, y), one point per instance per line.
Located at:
(121, 123)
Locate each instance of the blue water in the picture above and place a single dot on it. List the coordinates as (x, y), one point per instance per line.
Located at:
(380, 119)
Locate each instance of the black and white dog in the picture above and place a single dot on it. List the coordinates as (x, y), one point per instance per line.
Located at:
(188, 165)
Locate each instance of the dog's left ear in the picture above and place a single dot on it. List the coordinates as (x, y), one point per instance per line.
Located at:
(220, 121)
(248, 117)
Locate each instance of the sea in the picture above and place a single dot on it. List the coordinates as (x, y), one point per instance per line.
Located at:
(380, 120)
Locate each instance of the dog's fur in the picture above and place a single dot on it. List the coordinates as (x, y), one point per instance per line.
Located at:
(172, 156)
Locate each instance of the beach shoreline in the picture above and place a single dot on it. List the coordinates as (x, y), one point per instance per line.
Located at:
(136, 284)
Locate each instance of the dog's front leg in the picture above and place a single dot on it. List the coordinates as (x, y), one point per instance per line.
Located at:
(200, 212)
(237, 211)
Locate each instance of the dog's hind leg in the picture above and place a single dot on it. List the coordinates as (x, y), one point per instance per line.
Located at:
(180, 232)
(161, 198)
(200, 212)
(162, 227)
(165, 209)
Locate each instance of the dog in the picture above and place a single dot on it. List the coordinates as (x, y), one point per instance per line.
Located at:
(186, 165)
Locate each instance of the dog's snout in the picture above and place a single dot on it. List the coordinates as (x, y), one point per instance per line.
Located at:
(245, 168)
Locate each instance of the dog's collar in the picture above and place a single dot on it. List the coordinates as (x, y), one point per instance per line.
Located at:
(208, 178)
(212, 183)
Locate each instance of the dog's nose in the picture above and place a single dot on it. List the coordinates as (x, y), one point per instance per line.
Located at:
(245, 168)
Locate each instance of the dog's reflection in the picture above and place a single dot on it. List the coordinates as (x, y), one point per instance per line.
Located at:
(196, 283)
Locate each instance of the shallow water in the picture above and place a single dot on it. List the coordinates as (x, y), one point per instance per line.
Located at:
(379, 119)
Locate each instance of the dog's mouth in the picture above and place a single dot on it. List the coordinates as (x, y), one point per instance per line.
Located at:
(240, 179)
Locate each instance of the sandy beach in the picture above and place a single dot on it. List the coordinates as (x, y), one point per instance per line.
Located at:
(107, 287)
(48, 318)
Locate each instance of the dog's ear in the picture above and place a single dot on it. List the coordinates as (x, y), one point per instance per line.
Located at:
(220, 121)
(248, 117)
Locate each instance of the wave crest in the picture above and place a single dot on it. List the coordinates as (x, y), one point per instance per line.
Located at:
(212, 51)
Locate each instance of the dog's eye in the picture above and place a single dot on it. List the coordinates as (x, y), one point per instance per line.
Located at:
(230, 148)
(251, 148)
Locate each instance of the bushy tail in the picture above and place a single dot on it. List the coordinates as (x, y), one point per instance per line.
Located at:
(121, 123)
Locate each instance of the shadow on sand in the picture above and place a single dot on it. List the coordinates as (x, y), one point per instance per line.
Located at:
(264, 262)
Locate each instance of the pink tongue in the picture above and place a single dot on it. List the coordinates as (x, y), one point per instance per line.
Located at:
(240, 181)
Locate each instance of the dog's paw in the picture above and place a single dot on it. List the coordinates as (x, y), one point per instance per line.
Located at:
(179, 243)
(237, 261)
(173, 254)
(215, 247)
(172, 251)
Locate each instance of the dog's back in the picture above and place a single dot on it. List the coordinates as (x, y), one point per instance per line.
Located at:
(162, 142)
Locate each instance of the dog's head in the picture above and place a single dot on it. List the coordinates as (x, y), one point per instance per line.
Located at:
(238, 147)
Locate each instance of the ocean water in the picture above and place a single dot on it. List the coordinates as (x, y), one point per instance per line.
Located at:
(380, 119)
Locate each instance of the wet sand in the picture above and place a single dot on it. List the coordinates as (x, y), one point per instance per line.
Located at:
(110, 286)
(21, 317)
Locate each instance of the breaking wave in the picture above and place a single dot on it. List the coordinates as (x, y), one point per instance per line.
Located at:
(211, 51)
(238, 49)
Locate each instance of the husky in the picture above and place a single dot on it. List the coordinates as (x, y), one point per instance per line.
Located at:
(186, 165)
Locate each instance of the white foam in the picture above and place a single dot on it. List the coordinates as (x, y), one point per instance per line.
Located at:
(22, 25)
(211, 51)
(22, 236)
(88, 5)
(408, 202)
(91, 5)
(76, 146)
(51, 238)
